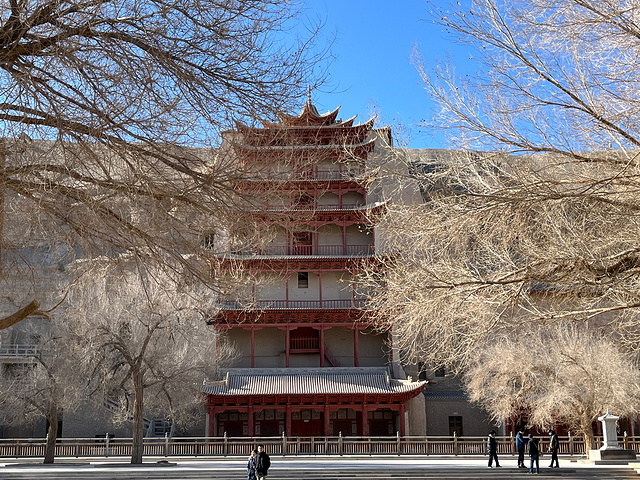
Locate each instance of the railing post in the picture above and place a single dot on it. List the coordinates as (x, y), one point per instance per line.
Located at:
(284, 444)
(455, 443)
(398, 443)
(340, 443)
(514, 450)
(625, 441)
(570, 441)
(225, 444)
(106, 445)
(166, 444)
(426, 445)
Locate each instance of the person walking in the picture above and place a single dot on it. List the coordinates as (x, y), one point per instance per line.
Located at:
(534, 453)
(251, 465)
(554, 446)
(262, 463)
(492, 449)
(521, 443)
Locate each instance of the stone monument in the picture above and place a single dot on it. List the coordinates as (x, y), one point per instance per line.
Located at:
(611, 452)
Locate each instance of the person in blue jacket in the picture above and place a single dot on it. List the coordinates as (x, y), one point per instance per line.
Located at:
(521, 444)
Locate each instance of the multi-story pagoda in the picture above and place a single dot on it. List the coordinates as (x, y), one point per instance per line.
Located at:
(310, 362)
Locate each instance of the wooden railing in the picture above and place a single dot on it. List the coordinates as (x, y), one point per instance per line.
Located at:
(292, 304)
(329, 250)
(282, 445)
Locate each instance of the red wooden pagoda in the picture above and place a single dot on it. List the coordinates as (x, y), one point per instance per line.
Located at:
(311, 364)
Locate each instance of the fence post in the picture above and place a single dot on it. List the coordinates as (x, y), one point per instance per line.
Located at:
(455, 443)
(426, 445)
(166, 444)
(225, 445)
(570, 443)
(284, 444)
(106, 445)
(398, 443)
(626, 441)
(340, 443)
(514, 450)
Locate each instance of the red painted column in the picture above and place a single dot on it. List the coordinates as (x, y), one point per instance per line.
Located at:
(287, 421)
(212, 422)
(251, 422)
(322, 346)
(253, 347)
(344, 238)
(403, 409)
(286, 347)
(327, 422)
(365, 420)
(356, 349)
(320, 288)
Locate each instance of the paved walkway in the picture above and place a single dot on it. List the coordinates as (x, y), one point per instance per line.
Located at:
(307, 468)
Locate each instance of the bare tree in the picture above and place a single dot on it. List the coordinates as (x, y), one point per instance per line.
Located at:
(100, 101)
(564, 374)
(149, 343)
(46, 383)
(531, 217)
(545, 228)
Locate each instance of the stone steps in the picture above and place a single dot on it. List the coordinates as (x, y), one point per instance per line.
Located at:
(148, 472)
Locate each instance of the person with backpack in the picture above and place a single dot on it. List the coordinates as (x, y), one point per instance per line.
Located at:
(262, 463)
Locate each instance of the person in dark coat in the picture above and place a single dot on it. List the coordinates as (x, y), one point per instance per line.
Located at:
(534, 453)
(554, 446)
(262, 463)
(251, 465)
(521, 444)
(492, 448)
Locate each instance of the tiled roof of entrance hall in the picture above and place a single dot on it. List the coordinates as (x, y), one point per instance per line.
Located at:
(311, 381)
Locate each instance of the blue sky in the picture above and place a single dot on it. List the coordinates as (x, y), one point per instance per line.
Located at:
(372, 70)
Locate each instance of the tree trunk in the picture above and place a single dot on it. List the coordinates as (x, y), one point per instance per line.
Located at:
(587, 432)
(138, 417)
(52, 435)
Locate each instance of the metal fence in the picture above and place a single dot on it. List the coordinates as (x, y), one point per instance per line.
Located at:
(241, 446)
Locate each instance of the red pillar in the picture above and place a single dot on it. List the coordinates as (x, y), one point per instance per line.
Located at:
(286, 347)
(322, 346)
(356, 349)
(365, 421)
(327, 422)
(287, 421)
(251, 422)
(212, 422)
(253, 347)
(403, 409)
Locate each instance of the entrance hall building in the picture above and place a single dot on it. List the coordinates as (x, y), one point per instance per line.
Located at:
(311, 363)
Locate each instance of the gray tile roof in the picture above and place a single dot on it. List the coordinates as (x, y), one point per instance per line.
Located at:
(314, 381)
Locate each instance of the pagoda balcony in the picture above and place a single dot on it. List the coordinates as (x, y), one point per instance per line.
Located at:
(311, 206)
(328, 175)
(308, 250)
(349, 303)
